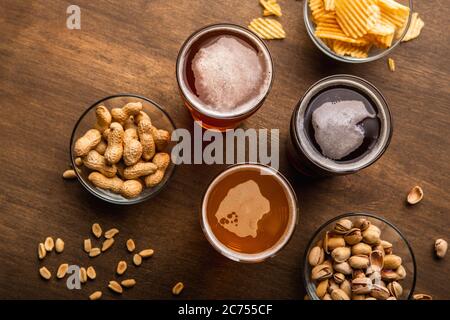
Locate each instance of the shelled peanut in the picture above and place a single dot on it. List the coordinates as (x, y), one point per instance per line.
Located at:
(353, 262)
(124, 150)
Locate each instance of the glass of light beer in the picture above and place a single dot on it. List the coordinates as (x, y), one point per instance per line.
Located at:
(249, 212)
(224, 74)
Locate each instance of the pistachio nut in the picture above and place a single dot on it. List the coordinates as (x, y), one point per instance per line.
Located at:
(391, 298)
(362, 224)
(343, 226)
(327, 297)
(358, 297)
(361, 286)
(387, 246)
(338, 277)
(440, 246)
(395, 289)
(401, 273)
(322, 288)
(332, 285)
(353, 236)
(391, 261)
(389, 275)
(325, 242)
(335, 242)
(358, 273)
(338, 294)
(341, 254)
(379, 292)
(378, 247)
(343, 267)
(316, 256)
(422, 296)
(321, 272)
(376, 260)
(329, 263)
(361, 248)
(359, 262)
(346, 287)
(371, 235)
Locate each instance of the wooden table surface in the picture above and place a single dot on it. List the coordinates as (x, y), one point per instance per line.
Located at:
(49, 75)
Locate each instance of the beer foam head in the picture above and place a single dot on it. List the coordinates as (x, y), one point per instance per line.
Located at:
(242, 208)
(229, 75)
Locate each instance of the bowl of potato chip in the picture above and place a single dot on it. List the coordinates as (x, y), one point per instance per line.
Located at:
(358, 31)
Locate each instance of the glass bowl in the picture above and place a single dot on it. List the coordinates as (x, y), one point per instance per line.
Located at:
(389, 232)
(374, 53)
(160, 119)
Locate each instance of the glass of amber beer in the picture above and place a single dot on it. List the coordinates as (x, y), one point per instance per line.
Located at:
(224, 74)
(249, 212)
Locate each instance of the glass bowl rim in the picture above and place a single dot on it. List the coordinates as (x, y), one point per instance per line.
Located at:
(306, 280)
(207, 112)
(322, 47)
(296, 213)
(72, 158)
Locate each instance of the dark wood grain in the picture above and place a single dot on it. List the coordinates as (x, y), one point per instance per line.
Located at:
(49, 75)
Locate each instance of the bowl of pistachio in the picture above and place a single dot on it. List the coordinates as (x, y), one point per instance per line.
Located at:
(359, 256)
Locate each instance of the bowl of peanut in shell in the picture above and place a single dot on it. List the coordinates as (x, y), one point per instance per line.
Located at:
(120, 149)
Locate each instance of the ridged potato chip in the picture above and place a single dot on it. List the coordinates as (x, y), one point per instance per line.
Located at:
(267, 28)
(329, 5)
(352, 27)
(317, 9)
(415, 27)
(271, 6)
(348, 49)
(357, 17)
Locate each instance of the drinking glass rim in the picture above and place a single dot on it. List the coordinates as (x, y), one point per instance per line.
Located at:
(208, 112)
(300, 145)
(251, 257)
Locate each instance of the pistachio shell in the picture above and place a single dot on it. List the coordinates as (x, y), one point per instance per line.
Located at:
(376, 260)
(327, 297)
(321, 272)
(346, 287)
(358, 273)
(415, 195)
(358, 297)
(316, 256)
(359, 262)
(391, 298)
(361, 286)
(341, 254)
(422, 296)
(401, 273)
(389, 275)
(371, 235)
(362, 224)
(343, 267)
(392, 261)
(325, 242)
(335, 242)
(338, 294)
(332, 285)
(385, 244)
(361, 248)
(440, 246)
(395, 289)
(343, 226)
(370, 298)
(322, 287)
(379, 292)
(353, 237)
(338, 277)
